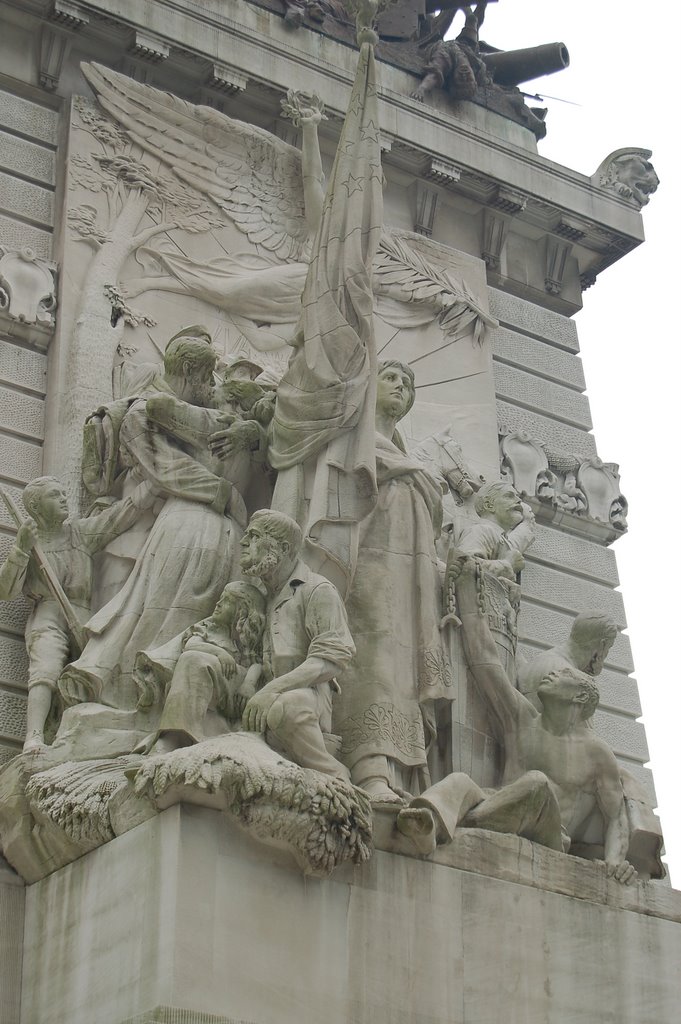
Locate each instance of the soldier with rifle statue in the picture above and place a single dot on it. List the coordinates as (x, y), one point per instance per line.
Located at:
(51, 563)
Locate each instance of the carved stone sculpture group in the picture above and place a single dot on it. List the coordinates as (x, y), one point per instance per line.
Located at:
(258, 610)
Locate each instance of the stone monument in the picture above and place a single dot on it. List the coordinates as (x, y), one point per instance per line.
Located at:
(314, 700)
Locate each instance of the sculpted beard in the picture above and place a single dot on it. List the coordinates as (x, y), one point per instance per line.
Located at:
(264, 567)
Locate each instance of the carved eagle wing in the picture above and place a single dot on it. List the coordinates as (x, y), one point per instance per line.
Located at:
(250, 174)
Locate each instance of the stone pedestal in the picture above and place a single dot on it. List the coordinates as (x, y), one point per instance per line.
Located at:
(185, 920)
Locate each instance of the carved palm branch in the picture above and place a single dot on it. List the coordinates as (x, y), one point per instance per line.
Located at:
(248, 173)
(403, 273)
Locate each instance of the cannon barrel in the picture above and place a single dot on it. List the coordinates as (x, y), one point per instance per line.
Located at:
(512, 67)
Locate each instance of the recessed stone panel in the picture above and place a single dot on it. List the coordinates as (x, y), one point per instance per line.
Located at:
(21, 414)
(538, 357)
(28, 201)
(625, 736)
(19, 460)
(23, 367)
(14, 234)
(27, 159)
(550, 399)
(573, 553)
(565, 591)
(30, 119)
(532, 319)
(13, 660)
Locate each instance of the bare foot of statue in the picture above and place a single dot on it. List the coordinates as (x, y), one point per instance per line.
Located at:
(418, 824)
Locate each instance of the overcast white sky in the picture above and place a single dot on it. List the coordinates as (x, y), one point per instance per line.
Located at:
(624, 75)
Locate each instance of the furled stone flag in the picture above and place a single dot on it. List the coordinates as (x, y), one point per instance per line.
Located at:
(323, 430)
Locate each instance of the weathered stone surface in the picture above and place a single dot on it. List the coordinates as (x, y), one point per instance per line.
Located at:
(23, 367)
(21, 414)
(16, 234)
(12, 902)
(533, 320)
(571, 593)
(7, 752)
(82, 803)
(619, 692)
(194, 898)
(20, 459)
(642, 775)
(28, 118)
(27, 159)
(13, 660)
(206, 924)
(29, 201)
(553, 433)
(538, 357)
(514, 385)
(626, 736)
(584, 558)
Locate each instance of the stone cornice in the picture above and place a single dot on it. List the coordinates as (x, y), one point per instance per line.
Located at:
(551, 200)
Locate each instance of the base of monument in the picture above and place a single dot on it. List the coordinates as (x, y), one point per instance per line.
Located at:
(187, 920)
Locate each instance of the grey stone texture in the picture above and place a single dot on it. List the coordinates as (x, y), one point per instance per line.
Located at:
(27, 159)
(555, 433)
(542, 396)
(12, 903)
(29, 119)
(537, 357)
(531, 319)
(199, 909)
(195, 898)
(29, 134)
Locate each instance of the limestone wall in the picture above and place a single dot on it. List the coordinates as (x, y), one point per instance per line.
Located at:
(209, 927)
(28, 175)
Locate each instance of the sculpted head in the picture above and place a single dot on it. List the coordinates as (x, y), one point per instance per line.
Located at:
(189, 362)
(636, 177)
(630, 173)
(395, 393)
(241, 612)
(569, 687)
(500, 502)
(45, 501)
(271, 539)
(591, 637)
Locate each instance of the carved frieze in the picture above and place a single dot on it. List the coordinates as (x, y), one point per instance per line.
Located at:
(587, 488)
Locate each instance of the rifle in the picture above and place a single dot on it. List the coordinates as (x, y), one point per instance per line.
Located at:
(78, 634)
